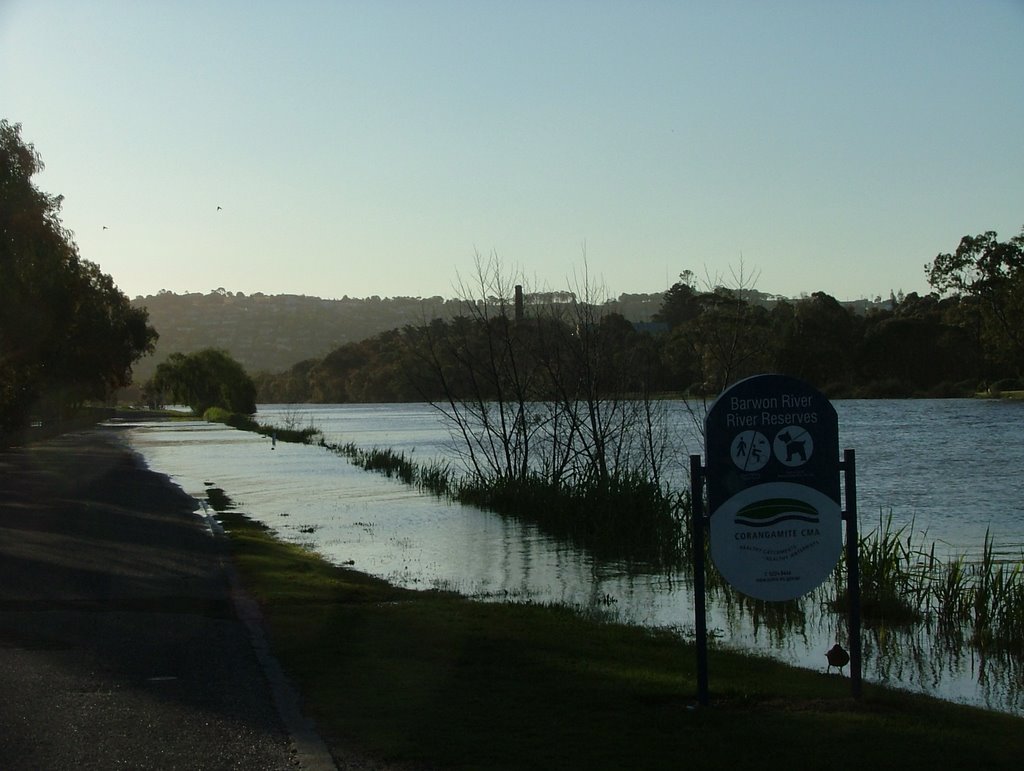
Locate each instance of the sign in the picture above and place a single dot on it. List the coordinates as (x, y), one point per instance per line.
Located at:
(772, 456)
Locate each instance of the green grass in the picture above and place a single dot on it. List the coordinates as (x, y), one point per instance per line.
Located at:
(435, 679)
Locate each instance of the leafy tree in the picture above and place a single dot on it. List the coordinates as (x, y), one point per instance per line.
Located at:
(992, 272)
(680, 303)
(722, 339)
(201, 380)
(815, 339)
(66, 333)
(289, 387)
(917, 354)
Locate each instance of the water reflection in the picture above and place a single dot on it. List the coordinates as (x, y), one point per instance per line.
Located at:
(316, 498)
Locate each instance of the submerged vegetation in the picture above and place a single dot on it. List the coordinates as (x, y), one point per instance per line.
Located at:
(904, 582)
(288, 433)
(628, 518)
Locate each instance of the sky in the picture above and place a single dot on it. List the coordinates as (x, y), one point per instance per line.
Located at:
(384, 147)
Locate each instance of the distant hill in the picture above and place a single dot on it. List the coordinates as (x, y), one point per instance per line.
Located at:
(270, 333)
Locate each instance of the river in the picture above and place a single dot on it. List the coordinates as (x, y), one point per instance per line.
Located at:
(947, 470)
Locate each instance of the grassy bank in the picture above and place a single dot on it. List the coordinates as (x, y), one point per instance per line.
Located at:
(437, 680)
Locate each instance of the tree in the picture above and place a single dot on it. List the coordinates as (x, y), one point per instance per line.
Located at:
(66, 333)
(718, 335)
(201, 380)
(815, 339)
(680, 303)
(992, 272)
(916, 355)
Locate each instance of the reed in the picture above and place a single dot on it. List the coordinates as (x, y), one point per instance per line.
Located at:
(893, 575)
(981, 602)
(997, 606)
(435, 477)
(391, 464)
(624, 517)
(949, 596)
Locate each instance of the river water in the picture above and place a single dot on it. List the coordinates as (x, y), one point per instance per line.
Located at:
(947, 470)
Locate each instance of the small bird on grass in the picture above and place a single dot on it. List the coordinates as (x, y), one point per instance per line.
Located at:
(837, 657)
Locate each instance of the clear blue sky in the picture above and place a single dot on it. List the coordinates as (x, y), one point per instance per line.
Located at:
(372, 148)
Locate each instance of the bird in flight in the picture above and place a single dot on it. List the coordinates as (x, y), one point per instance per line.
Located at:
(105, 227)
(218, 208)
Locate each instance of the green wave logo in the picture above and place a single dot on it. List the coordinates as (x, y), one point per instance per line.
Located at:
(772, 511)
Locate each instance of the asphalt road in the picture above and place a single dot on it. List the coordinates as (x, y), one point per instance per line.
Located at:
(121, 640)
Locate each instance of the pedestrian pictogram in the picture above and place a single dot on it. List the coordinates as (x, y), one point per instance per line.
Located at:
(750, 451)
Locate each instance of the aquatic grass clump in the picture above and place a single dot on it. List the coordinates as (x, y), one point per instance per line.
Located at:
(434, 477)
(949, 590)
(624, 517)
(893, 575)
(997, 601)
(387, 462)
(901, 584)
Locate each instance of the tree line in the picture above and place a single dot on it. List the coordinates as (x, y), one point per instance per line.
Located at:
(965, 336)
(67, 334)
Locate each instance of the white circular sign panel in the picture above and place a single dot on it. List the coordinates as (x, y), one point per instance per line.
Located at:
(776, 541)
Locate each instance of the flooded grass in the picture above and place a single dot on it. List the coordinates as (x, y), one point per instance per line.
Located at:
(903, 583)
(289, 433)
(997, 602)
(625, 517)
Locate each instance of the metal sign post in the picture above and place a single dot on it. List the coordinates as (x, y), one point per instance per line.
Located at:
(849, 466)
(697, 525)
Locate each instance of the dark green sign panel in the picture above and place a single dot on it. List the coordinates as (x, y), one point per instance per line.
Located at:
(772, 471)
(771, 428)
